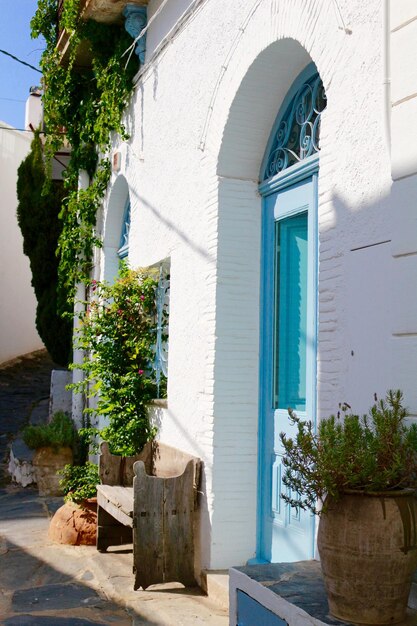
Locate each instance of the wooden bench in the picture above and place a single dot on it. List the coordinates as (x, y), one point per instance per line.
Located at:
(150, 500)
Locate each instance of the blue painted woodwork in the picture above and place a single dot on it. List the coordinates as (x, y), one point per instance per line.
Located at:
(123, 250)
(290, 331)
(288, 313)
(135, 22)
(251, 613)
(288, 357)
(296, 132)
(162, 317)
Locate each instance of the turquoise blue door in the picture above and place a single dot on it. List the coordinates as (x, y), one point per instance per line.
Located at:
(288, 357)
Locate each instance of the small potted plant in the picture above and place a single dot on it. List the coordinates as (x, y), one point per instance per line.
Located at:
(53, 443)
(75, 522)
(79, 482)
(359, 474)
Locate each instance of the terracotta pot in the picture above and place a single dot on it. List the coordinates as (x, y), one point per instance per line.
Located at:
(75, 524)
(47, 462)
(368, 551)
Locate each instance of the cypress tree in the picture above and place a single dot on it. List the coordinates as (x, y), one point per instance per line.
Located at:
(39, 205)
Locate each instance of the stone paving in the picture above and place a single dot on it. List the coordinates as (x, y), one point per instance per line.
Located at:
(46, 584)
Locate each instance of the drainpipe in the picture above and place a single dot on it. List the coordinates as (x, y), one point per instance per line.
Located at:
(386, 61)
(78, 356)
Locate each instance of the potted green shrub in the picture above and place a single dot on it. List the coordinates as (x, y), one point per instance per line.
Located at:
(75, 523)
(117, 335)
(359, 474)
(53, 444)
(79, 482)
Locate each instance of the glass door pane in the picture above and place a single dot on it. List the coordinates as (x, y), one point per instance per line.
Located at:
(290, 332)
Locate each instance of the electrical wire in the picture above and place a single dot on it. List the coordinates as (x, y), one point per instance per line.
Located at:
(143, 32)
(21, 130)
(12, 100)
(20, 61)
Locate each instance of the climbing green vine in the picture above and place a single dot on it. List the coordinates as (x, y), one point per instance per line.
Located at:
(82, 106)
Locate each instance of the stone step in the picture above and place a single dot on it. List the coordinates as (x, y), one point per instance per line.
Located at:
(215, 583)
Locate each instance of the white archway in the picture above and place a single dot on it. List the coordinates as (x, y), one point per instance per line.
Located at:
(247, 106)
(113, 227)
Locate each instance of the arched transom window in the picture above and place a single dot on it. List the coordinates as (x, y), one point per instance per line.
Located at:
(297, 135)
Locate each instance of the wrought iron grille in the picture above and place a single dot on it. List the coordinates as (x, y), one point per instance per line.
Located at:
(162, 320)
(298, 132)
(123, 250)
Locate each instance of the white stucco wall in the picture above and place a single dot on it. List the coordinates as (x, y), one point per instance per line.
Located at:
(401, 48)
(18, 333)
(199, 121)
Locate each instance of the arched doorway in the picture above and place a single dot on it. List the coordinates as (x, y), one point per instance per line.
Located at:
(116, 229)
(289, 177)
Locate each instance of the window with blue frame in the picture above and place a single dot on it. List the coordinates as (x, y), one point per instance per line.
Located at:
(297, 135)
(162, 330)
(123, 250)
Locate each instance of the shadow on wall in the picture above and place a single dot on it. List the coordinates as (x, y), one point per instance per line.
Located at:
(170, 225)
(367, 312)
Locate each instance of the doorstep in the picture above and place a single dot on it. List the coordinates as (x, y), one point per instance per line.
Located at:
(215, 583)
(284, 594)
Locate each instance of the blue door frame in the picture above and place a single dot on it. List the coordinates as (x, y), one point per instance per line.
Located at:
(306, 172)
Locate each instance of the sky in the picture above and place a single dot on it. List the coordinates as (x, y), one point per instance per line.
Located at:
(16, 79)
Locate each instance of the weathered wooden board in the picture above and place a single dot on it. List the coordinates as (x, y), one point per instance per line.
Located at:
(118, 497)
(118, 470)
(110, 532)
(178, 528)
(160, 507)
(148, 548)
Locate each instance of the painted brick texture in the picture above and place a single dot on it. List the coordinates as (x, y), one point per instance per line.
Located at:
(200, 120)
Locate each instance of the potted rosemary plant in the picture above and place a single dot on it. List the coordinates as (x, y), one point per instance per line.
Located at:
(359, 473)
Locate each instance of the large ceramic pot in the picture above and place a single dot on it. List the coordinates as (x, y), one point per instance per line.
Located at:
(368, 551)
(75, 524)
(47, 462)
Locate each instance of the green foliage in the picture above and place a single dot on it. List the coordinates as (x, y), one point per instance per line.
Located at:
(79, 482)
(117, 335)
(371, 453)
(59, 432)
(37, 215)
(84, 105)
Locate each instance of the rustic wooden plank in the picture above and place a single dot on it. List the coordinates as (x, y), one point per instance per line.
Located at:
(145, 456)
(122, 497)
(109, 466)
(178, 527)
(118, 470)
(110, 531)
(148, 554)
(112, 536)
(110, 504)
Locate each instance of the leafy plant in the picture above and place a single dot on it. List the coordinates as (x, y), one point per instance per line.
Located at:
(79, 482)
(82, 106)
(59, 432)
(371, 453)
(37, 215)
(117, 335)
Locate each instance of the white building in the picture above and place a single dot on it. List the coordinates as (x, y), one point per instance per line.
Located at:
(18, 334)
(292, 277)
